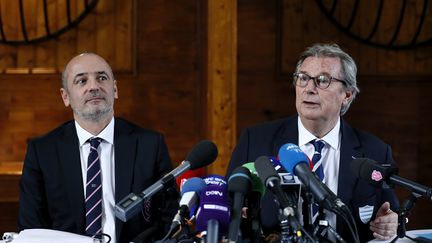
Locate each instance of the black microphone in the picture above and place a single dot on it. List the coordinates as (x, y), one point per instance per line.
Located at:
(296, 162)
(271, 180)
(377, 174)
(204, 153)
(239, 185)
(251, 227)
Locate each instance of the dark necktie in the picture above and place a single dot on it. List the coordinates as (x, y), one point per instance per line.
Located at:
(93, 201)
(318, 167)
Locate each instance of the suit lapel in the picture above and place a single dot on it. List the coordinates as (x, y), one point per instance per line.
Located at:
(350, 149)
(70, 162)
(125, 148)
(288, 133)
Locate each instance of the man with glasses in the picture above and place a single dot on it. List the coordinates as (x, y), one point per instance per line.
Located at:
(325, 84)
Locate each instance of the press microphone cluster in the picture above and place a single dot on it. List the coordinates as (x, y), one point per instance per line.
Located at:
(295, 161)
(201, 155)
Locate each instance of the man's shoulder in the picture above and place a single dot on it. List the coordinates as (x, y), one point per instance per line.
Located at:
(274, 125)
(132, 128)
(365, 138)
(55, 133)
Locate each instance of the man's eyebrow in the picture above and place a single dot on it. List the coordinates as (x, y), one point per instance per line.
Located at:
(78, 75)
(101, 72)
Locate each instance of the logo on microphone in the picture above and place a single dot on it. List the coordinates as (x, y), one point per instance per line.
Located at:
(293, 147)
(376, 175)
(211, 193)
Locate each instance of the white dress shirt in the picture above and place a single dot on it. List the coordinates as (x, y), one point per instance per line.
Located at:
(330, 157)
(107, 164)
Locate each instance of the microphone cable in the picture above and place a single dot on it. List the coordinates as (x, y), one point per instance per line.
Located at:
(346, 215)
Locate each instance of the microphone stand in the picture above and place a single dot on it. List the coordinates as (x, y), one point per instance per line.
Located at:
(254, 217)
(285, 235)
(212, 231)
(403, 213)
(323, 228)
(307, 210)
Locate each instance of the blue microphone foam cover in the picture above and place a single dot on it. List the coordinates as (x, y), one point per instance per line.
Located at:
(291, 155)
(193, 184)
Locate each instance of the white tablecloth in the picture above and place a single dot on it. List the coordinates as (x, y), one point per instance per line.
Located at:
(426, 233)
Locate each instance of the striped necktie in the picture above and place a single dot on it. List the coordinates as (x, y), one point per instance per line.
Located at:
(317, 167)
(316, 158)
(93, 201)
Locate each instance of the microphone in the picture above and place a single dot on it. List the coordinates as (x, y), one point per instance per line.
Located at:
(239, 185)
(204, 153)
(296, 162)
(252, 227)
(271, 180)
(189, 192)
(377, 174)
(257, 185)
(213, 212)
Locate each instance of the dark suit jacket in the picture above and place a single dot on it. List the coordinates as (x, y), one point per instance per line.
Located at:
(267, 138)
(52, 187)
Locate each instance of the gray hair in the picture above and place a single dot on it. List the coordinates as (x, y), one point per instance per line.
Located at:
(64, 73)
(348, 66)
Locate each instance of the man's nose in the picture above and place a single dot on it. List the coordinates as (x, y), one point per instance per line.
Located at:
(93, 84)
(310, 85)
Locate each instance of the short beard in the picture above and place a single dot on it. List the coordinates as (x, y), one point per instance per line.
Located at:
(94, 116)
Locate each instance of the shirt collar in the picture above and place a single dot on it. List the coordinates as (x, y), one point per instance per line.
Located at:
(331, 138)
(107, 134)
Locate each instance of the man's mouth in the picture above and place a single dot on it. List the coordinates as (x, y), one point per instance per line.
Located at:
(310, 103)
(94, 99)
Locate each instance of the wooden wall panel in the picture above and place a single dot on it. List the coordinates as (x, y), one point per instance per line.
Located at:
(107, 30)
(170, 80)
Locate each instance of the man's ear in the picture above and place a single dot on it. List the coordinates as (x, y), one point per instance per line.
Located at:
(115, 89)
(349, 95)
(65, 97)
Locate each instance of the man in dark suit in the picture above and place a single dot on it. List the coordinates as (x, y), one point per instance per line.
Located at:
(325, 84)
(56, 185)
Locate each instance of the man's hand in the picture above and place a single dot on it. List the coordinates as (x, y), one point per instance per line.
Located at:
(384, 227)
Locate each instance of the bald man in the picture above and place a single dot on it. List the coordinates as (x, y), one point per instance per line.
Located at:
(59, 180)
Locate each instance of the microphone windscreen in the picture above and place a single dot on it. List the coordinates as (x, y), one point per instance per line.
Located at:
(203, 154)
(194, 184)
(290, 155)
(372, 171)
(265, 169)
(214, 179)
(257, 185)
(213, 206)
(240, 181)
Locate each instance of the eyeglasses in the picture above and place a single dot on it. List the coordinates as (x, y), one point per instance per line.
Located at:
(321, 81)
